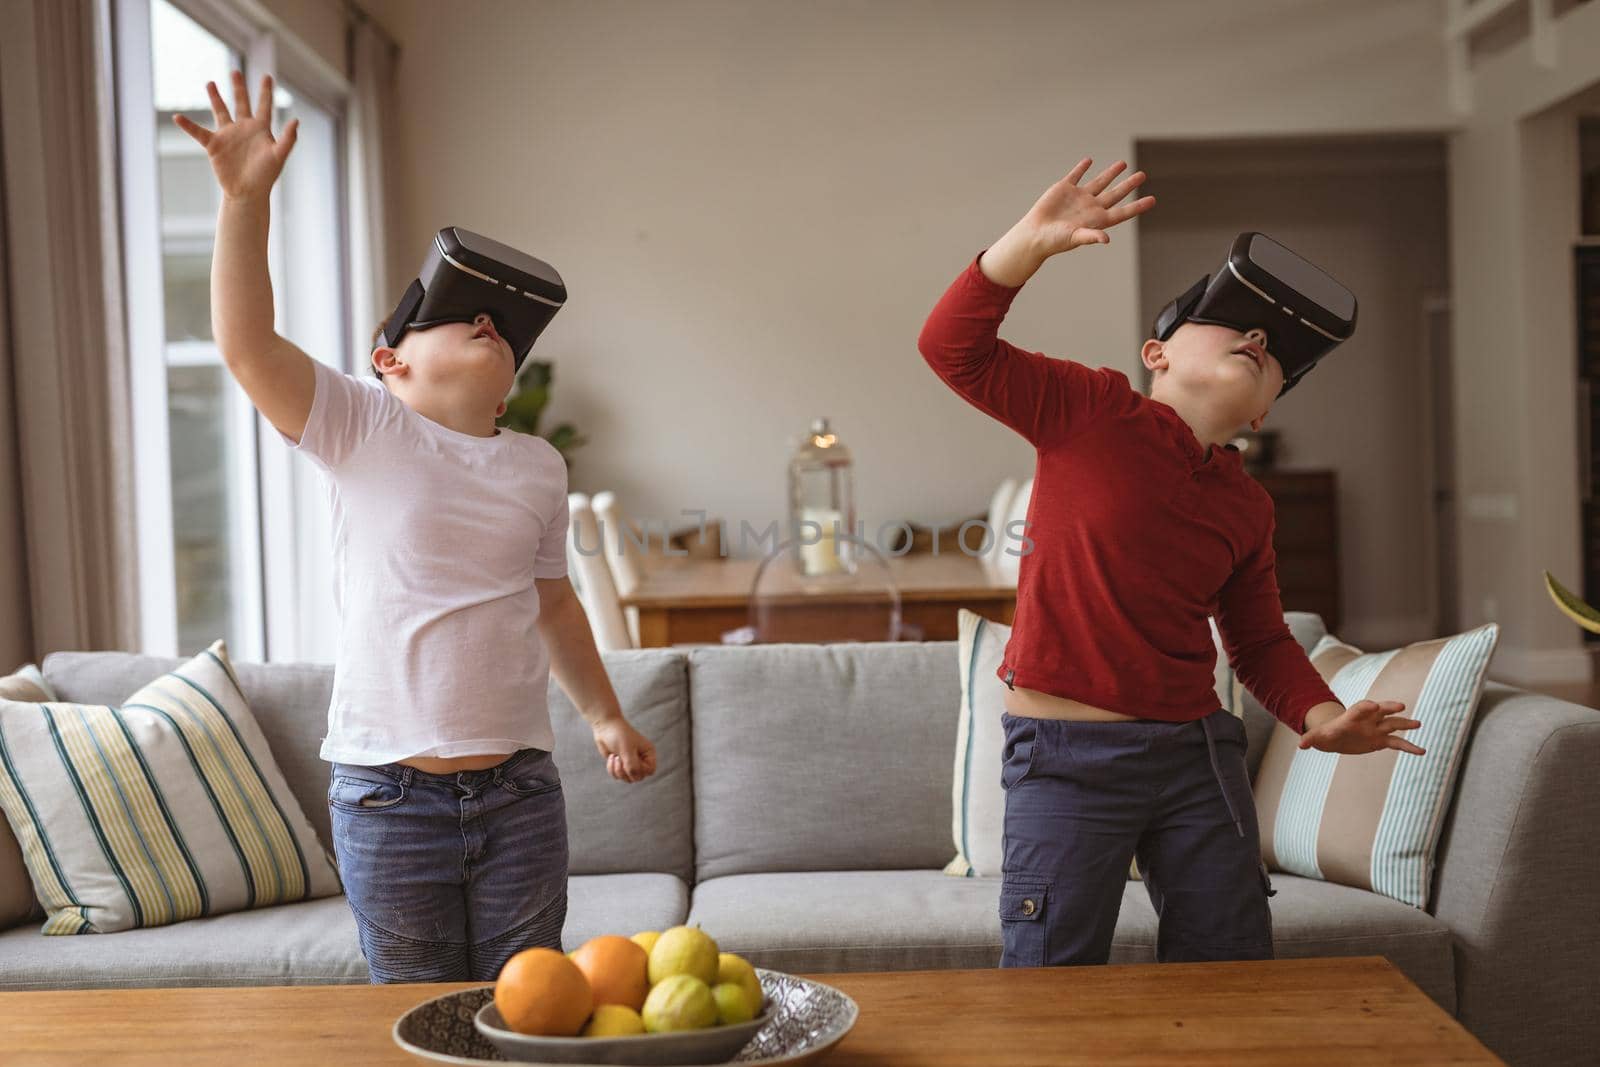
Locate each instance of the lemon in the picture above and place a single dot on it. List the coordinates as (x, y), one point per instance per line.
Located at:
(646, 939)
(684, 950)
(679, 1002)
(613, 1020)
(733, 1004)
(731, 968)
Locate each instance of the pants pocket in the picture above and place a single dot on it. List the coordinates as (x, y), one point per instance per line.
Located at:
(353, 794)
(532, 775)
(1018, 754)
(1024, 926)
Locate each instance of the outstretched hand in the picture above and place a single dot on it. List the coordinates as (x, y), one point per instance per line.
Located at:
(1069, 215)
(1365, 726)
(244, 155)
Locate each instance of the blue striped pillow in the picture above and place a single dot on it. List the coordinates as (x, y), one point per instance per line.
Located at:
(169, 807)
(1373, 821)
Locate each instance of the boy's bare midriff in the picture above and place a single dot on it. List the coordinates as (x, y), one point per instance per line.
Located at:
(450, 765)
(1036, 705)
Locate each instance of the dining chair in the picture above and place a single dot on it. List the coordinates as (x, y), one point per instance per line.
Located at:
(1008, 564)
(774, 618)
(596, 589)
(622, 548)
(999, 511)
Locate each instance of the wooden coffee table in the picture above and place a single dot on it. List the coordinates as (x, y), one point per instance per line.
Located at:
(1302, 1012)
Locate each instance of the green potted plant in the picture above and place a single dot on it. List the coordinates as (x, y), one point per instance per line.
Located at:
(527, 402)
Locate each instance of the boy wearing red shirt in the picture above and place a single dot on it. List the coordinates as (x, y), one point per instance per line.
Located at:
(1144, 523)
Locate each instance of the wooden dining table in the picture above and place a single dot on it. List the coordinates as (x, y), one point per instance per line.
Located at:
(688, 600)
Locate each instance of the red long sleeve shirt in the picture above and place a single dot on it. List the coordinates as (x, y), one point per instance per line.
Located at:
(1139, 533)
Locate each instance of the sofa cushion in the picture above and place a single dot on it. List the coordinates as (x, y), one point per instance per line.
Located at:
(309, 943)
(822, 921)
(1372, 821)
(616, 827)
(1312, 918)
(622, 904)
(313, 943)
(822, 757)
(165, 808)
(611, 826)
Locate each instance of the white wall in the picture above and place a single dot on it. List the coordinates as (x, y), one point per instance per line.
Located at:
(1373, 213)
(755, 204)
(319, 24)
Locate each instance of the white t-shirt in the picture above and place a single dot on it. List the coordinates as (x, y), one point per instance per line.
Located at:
(437, 538)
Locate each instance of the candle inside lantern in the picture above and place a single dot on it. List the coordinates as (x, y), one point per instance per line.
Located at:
(819, 545)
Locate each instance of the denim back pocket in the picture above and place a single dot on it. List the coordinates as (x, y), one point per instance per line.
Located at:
(364, 793)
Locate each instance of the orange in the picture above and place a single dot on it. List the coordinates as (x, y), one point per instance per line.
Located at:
(618, 970)
(541, 992)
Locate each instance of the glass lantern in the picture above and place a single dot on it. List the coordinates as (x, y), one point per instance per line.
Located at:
(822, 504)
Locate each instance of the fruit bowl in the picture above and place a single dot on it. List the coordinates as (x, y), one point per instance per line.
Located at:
(808, 1018)
(717, 1044)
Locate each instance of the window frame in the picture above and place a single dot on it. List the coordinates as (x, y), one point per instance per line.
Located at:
(264, 558)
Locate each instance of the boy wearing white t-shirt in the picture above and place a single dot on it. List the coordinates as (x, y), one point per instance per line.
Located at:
(450, 579)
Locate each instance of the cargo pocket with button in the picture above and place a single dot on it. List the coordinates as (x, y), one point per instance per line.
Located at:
(1024, 903)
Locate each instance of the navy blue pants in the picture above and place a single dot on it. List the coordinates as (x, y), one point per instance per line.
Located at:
(450, 875)
(1083, 798)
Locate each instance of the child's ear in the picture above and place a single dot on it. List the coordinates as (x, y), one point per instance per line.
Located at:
(501, 410)
(387, 361)
(1154, 355)
(1255, 423)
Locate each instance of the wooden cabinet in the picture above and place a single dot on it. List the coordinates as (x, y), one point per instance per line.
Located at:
(1306, 540)
(1588, 280)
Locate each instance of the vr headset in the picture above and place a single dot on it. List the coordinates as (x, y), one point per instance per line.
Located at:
(1262, 285)
(466, 273)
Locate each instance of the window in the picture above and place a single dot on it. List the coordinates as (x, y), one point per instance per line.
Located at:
(233, 532)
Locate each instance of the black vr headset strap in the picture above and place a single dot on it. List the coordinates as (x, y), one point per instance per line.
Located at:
(404, 312)
(1290, 383)
(1178, 311)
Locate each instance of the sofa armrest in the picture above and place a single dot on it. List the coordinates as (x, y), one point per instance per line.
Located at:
(1518, 874)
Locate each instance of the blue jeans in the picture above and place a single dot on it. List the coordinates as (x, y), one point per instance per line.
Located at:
(1083, 798)
(450, 875)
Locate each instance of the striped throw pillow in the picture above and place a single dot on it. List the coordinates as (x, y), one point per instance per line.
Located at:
(978, 802)
(1372, 821)
(167, 808)
(17, 902)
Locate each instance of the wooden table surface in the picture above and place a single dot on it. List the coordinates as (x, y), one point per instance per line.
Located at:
(684, 600)
(1302, 1012)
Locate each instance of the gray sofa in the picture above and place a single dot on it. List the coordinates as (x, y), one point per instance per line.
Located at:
(801, 814)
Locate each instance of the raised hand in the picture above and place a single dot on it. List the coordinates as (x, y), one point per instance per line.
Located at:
(244, 155)
(1066, 216)
(1365, 726)
(1069, 215)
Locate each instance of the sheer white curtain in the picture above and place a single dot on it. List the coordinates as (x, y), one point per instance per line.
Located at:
(370, 129)
(67, 549)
